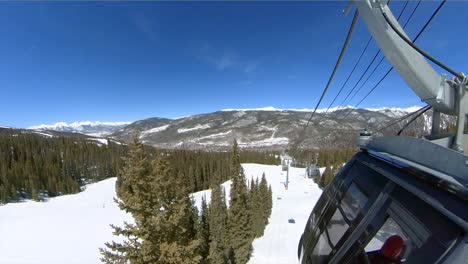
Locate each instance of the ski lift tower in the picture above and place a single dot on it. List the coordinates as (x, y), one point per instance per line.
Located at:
(286, 161)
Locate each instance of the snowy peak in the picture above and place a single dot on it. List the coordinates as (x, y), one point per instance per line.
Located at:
(393, 111)
(91, 128)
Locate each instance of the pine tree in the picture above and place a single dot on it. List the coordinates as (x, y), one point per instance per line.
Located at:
(218, 224)
(240, 237)
(132, 189)
(204, 231)
(265, 197)
(256, 212)
(270, 200)
(164, 229)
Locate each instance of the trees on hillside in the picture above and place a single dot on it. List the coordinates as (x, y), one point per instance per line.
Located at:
(34, 167)
(169, 229)
(165, 225)
(218, 246)
(239, 233)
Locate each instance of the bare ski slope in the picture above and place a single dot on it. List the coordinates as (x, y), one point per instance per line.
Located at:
(71, 228)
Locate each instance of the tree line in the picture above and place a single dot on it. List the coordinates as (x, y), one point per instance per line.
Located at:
(204, 170)
(168, 228)
(35, 167)
(330, 158)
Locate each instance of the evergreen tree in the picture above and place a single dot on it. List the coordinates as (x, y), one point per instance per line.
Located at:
(218, 224)
(256, 212)
(132, 189)
(265, 197)
(164, 229)
(204, 231)
(240, 239)
(270, 200)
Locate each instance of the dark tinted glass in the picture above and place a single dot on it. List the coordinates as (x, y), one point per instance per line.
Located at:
(353, 202)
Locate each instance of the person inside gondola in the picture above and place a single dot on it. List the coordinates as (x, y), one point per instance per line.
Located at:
(390, 253)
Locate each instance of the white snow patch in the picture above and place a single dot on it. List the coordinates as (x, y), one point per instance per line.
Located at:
(76, 125)
(266, 142)
(66, 229)
(222, 134)
(100, 140)
(153, 130)
(394, 109)
(197, 127)
(43, 134)
(117, 142)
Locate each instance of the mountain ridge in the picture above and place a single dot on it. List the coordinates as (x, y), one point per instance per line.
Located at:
(261, 128)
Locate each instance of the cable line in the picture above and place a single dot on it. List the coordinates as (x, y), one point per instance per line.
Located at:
(419, 50)
(343, 49)
(391, 68)
(340, 57)
(372, 61)
(412, 119)
(383, 57)
(349, 75)
(401, 119)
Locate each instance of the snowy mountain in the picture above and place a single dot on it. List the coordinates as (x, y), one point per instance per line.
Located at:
(266, 128)
(91, 128)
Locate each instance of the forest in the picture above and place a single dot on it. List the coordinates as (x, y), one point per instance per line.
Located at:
(36, 167)
(169, 229)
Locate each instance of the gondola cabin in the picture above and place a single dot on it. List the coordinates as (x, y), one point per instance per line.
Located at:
(312, 171)
(388, 204)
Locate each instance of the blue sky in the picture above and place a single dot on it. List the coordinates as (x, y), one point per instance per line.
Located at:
(116, 61)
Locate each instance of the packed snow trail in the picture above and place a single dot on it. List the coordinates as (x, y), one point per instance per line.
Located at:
(66, 229)
(72, 228)
(281, 238)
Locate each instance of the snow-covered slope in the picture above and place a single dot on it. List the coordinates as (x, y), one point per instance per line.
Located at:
(71, 228)
(280, 241)
(262, 128)
(66, 229)
(91, 128)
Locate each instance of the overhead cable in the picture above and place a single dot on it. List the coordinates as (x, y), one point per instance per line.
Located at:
(389, 70)
(419, 50)
(370, 64)
(340, 57)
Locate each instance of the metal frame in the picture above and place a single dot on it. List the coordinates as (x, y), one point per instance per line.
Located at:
(449, 97)
(446, 164)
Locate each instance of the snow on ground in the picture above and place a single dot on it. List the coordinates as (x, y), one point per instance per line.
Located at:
(153, 130)
(100, 140)
(183, 130)
(66, 229)
(266, 142)
(222, 134)
(43, 134)
(71, 228)
(280, 241)
(76, 125)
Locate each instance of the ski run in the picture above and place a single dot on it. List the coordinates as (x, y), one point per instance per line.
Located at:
(72, 228)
